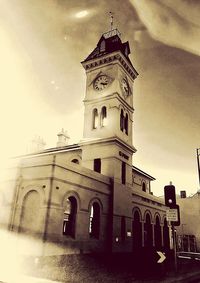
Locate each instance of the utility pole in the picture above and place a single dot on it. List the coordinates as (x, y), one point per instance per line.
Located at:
(198, 164)
(173, 215)
(174, 245)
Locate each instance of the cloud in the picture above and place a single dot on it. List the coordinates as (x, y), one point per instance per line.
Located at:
(175, 23)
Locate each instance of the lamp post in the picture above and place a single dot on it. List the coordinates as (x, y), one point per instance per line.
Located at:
(198, 164)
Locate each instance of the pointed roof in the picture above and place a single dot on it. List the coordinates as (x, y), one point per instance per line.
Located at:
(108, 43)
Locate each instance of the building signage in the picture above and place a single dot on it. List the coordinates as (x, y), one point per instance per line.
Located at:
(172, 214)
(162, 257)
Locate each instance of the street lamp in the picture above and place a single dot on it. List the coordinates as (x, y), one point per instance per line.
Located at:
(198, 163)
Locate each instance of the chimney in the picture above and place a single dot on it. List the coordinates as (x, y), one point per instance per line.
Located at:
(63, 138)
(183, 194)
(37, 144)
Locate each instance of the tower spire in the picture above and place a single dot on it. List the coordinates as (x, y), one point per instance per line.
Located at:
(111, 20)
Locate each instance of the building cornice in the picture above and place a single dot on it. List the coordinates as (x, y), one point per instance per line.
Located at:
(143, 173)
(110, 140)
(107, 97)
(108, 58)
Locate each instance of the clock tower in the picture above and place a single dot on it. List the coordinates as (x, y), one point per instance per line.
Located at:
(107, 145)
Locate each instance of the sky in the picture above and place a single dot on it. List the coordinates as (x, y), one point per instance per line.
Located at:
(43, 83)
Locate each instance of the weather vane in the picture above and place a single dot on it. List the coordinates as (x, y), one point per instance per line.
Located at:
(111, 20)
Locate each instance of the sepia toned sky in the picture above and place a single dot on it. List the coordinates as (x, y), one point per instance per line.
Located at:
(43, 83)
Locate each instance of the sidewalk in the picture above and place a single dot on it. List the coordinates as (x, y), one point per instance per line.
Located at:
(186, 277)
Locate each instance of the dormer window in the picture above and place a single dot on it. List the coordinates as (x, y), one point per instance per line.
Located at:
(126, 51)
(103, 46)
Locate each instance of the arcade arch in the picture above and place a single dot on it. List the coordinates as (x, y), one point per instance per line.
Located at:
(137, 229)
(148, 231)
(157, 233)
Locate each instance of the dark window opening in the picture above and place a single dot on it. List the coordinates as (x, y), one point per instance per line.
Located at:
(148, 233)
(122, 120)
(137, 231)
(126, 124)
(95, 118)
(123, 176)
(94, 226)
(103, 116)
(97, 165)
(69, 221)
(144, 187)
(75, 161)
(157, 233)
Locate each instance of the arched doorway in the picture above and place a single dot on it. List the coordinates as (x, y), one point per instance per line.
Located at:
(69, 222)
(94, 226)
(30, 217)
(137, 231)
(157, 233)
(148, 235)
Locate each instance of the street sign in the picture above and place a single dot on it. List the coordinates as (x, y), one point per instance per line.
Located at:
(162, 257)
(172, 214)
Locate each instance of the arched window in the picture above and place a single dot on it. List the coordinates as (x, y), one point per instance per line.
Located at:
(75, 161)
(95, 118)
(94, 226)
(126, 124)
(157, 233)
(103, 116)
(122, 120)
(136, 231)
(69, 222)
(148, 233)
(144, 187)
(30, 220)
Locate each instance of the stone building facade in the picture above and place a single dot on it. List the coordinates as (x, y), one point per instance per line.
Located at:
(188, 233)
(88, 197)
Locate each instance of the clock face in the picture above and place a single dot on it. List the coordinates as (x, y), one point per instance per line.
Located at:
(125, 86)
(101, 82)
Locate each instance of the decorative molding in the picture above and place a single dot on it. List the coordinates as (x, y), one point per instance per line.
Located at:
(110, 58)
(123, 155)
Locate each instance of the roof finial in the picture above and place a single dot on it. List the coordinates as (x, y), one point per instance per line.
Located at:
(111, 20)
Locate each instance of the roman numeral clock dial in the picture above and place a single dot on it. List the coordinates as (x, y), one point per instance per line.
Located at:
(125, 87)
(101, 82)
